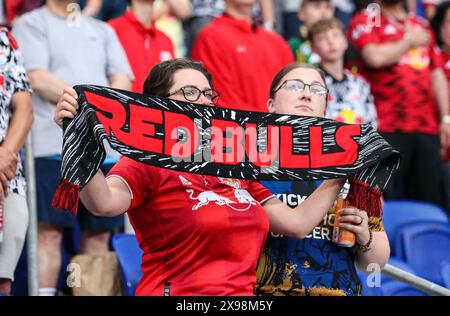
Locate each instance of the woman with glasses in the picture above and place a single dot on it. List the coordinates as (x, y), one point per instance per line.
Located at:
(315, 265)
(200, 235)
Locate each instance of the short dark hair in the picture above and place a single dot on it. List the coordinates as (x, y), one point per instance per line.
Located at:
(438, 19)
(283, 72)
(160, 79)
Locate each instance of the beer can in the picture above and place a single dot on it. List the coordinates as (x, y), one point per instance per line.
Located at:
(342, 237)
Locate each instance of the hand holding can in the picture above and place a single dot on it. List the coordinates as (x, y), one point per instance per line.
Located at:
(342, 237)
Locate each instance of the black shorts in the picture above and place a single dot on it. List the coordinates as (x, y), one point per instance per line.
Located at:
(48, 173)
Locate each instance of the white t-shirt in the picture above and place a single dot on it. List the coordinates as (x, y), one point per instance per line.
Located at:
(87, 52)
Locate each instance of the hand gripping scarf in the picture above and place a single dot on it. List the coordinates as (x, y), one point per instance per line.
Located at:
(220, 142)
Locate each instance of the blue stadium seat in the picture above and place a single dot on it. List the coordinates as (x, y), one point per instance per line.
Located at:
(396, 288)
(398, 213)
(129, 256)
(424, 247)
(445, 273)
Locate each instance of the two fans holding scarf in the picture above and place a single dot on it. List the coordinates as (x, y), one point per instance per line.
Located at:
(202, 234)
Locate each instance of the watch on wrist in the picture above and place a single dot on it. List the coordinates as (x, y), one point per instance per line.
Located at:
(269, 25)
(366, 247)
(446, 119)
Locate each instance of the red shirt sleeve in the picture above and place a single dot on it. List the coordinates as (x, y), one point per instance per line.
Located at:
(361, 32)
(259, 192)
(207, 50)
(12, 8)
(140, 178)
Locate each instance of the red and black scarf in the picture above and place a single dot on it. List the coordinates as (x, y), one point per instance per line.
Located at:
(220, 142)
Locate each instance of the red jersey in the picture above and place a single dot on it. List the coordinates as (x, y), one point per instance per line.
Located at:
(145, 47)
(201, 235)
(243, 60)
(404, 95)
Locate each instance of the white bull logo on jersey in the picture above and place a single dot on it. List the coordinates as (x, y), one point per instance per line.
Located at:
(244, 197)
(210, 196)
(207, 196)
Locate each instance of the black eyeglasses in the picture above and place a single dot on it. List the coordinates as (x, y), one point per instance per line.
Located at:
(296, 85)
(192, 93)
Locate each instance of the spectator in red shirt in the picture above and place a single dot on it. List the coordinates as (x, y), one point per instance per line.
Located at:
(441, 26)
(144, 45)
(411, 95)
(243, 57)
(200, 235)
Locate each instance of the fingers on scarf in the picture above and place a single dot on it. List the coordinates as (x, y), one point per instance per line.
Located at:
(70, 91)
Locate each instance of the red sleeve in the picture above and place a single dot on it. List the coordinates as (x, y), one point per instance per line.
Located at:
(12, 8)
(139, 177)
(207, 50)
(362, 33)
(259, 192)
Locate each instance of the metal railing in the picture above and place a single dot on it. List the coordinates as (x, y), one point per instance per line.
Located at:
(415, 281)
(32, 236)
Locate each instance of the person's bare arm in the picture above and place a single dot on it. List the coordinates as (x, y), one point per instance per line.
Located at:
(268, 14)
(388, 54)
(300, 221)
(20, 123)
(378, 252)
(120, 81)
(106, 197)
(440, 87)
(384, 55)
(46, 84)
(19, 126)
